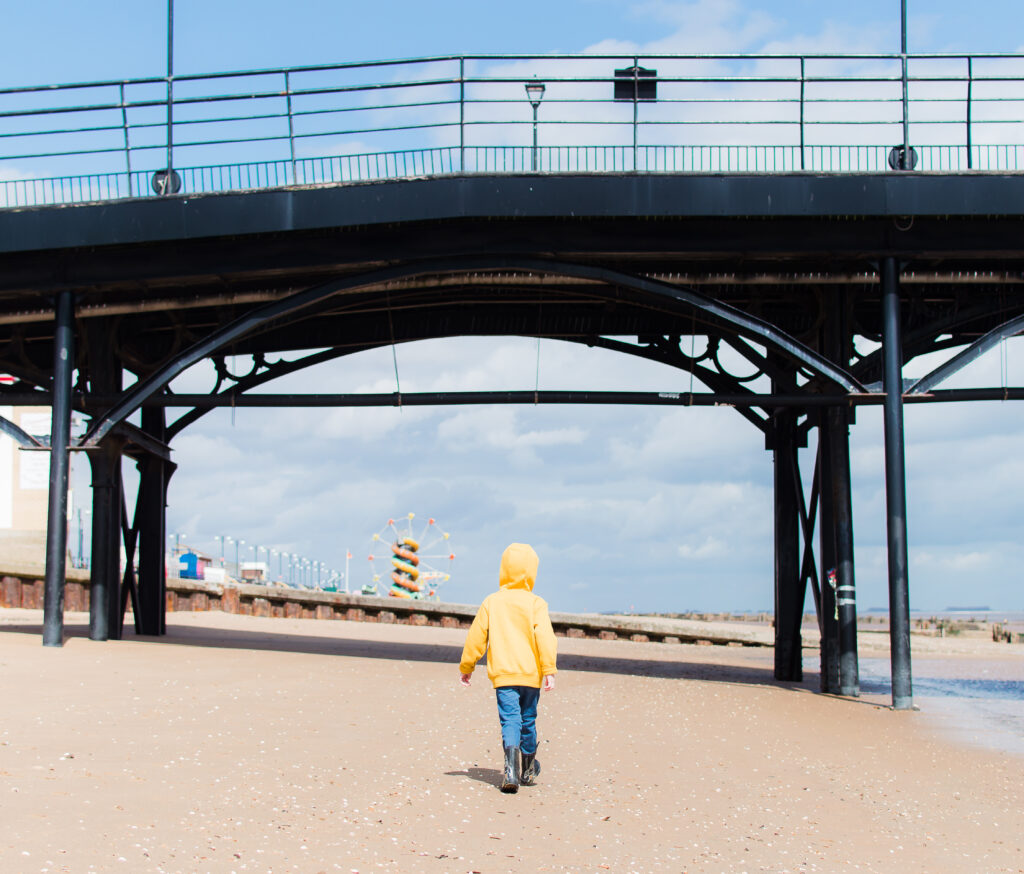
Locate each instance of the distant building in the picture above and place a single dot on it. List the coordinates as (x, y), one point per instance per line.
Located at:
(254, 572)
(192, 565)
(24, 489)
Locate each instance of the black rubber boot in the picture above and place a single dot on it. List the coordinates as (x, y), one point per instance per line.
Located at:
(510, 778)
(530, 769)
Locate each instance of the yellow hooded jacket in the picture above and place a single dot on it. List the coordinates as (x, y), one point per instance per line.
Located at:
(512, 626)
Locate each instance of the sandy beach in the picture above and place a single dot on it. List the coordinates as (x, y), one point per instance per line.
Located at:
(271, 745)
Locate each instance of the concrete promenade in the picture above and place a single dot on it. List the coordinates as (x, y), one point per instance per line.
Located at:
(23, 587)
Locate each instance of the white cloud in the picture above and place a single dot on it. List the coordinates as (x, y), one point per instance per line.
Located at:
(711, 547)
(925, 560)
(497, 428)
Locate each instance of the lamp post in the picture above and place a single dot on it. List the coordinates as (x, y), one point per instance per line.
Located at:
(903, 60)
(535, 94)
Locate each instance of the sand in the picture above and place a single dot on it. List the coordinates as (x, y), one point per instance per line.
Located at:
(246, 744)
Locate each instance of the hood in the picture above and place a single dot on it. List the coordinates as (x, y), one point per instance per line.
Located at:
(518, 567)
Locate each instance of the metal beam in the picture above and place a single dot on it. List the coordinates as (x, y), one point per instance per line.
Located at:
(498, 196)
(718, 312)
(22, 438)
(454, 398)
(895, 492)
(978, 348)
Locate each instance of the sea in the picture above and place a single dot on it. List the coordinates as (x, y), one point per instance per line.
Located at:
(978, 701)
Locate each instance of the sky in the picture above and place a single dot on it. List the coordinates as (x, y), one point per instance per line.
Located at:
(629, 508)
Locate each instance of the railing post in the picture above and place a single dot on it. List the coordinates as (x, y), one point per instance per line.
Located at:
(636, 106)
(462, 115)
(970, 84)
(291, 128)
(802, 82)
(127, 143)
(169, 182)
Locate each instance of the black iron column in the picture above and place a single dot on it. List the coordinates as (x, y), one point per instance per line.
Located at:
(105, 378)
(105, 568)
(827, 617)
(60, 436)
(846, 590)
(151, 516)
(789, 590)
(838, 348)
(895, 490)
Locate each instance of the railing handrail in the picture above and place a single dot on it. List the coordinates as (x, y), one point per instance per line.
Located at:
(436, 59)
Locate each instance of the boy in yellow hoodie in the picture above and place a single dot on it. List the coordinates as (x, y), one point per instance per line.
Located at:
(513, 627)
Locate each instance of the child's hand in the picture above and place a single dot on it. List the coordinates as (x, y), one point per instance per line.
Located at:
(549, 682)
(465, 679)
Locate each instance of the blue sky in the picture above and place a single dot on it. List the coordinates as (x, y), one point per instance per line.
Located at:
(644, 508)
(65, 41)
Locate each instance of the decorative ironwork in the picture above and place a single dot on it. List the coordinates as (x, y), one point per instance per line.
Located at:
(710, 311)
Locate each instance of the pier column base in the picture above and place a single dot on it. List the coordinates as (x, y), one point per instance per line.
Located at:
(789, 585)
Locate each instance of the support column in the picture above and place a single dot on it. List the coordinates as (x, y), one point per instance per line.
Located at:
(789, 590)
(838, 348)
(828, 620)
(895, 490)
(60, 436)
(846, 590)
(151, 516)
(105, 568)
(105, 377)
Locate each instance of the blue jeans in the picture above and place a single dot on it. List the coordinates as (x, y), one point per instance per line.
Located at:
(517, 712)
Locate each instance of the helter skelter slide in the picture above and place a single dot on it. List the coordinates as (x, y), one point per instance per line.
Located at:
(416, 563)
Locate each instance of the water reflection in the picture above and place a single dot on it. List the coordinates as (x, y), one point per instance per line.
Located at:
(981, 702)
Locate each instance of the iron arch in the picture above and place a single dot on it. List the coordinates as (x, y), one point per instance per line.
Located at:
(641, 288)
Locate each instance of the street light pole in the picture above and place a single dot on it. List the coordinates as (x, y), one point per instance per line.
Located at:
(906, 108)
(534, 93)
(168, 187)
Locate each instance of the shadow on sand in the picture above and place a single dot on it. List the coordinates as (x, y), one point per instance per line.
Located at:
(395, 650)
(490, 776)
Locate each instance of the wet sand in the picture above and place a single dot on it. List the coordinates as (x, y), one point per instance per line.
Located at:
(246, 744)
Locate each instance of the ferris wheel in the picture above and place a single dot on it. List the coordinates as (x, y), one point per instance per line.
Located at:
(412, 561)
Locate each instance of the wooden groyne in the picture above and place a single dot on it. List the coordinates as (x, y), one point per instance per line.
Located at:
(23, 587)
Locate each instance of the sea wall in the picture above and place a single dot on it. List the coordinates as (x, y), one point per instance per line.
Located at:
(23, 587)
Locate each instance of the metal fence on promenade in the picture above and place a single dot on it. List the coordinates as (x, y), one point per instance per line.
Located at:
(472, 114)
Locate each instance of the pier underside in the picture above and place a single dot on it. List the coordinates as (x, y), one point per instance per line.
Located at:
(823, 286)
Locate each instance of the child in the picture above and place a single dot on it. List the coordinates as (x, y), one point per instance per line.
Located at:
(513, 627)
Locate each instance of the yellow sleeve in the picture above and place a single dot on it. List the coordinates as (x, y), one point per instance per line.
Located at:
(547, 644)
(476, 641)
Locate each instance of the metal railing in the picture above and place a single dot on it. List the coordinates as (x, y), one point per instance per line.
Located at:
(471, 114)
